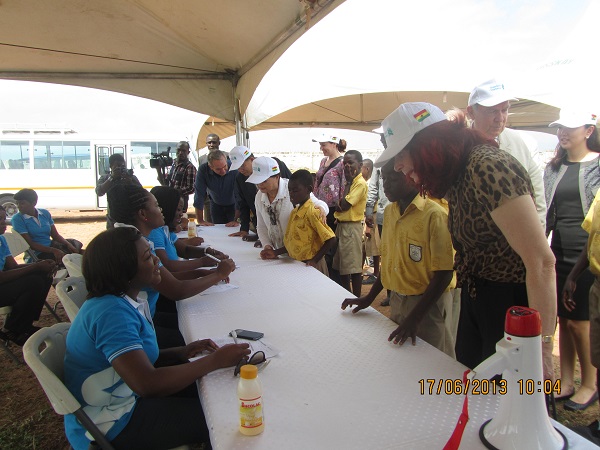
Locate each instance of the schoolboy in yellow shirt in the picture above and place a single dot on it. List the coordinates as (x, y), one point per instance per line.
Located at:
(416, 264)
(589, 257)
(349, 213)
(306, 237)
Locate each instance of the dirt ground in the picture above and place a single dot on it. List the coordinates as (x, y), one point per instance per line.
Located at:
(27, 421)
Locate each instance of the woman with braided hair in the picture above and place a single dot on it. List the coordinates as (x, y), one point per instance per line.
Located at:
(166, 244)
(134, 206)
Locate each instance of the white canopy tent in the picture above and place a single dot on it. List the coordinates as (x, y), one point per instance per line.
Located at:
(203, 56)
(435, 51)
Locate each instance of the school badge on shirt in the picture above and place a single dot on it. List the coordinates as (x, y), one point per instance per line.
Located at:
(415, 252)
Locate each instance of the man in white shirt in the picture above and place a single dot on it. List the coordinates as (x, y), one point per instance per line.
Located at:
(488, 109)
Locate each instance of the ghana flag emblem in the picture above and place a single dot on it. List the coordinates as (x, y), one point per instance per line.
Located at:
(422, 115)
(274, 169)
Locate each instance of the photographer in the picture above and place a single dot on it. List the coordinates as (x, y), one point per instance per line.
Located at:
(182, 174)
(119, 174)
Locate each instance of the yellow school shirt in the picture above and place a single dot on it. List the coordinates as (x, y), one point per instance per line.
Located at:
(414, 245)
(357, 197)
(591, 224)
(305, 233)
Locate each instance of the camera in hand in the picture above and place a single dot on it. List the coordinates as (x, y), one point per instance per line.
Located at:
(124, 171)
(160, 160)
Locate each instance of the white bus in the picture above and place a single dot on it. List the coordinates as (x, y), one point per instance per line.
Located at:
(63, 168)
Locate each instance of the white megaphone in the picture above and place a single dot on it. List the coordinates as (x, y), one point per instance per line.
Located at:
(521, 421)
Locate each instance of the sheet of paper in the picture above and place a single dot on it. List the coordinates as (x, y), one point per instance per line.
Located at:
(220, 287)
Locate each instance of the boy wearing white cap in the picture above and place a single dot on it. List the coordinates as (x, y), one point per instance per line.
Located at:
(245, 193)
(488, 109)
(272, 203)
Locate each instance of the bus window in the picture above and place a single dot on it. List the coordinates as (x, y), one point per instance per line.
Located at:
(47, 155)
(14, 155)
(140, 154)
(76, 155)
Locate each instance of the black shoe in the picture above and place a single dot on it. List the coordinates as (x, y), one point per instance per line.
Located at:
(591, 432)
(385, 302)
(572, 406)
(17, 338)
(369, 279)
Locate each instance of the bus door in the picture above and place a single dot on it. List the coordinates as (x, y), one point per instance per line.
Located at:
(103, 152)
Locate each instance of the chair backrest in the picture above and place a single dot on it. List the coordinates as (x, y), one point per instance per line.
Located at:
(48, 365)
(72, 293)
(73, 264)
(16, 243)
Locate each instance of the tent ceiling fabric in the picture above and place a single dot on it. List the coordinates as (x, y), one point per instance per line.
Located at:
(183, 53)
(365, 112)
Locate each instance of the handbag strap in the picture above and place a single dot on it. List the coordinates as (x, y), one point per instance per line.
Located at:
(331, 166)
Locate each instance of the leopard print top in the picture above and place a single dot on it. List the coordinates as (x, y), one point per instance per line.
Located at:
(490, 178)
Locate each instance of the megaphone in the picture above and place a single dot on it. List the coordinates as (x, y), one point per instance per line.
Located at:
(521, 421)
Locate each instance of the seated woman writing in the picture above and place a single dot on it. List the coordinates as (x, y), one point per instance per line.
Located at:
(24, 287)
(166, 244)
(37, 228)
(137, 395)
(134, 206)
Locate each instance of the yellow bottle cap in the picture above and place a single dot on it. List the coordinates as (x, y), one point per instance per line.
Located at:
(248, 371)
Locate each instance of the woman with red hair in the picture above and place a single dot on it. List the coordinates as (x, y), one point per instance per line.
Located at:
(502, 256)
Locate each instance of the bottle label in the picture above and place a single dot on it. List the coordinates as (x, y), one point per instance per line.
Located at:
(251, 414)
(191, 231)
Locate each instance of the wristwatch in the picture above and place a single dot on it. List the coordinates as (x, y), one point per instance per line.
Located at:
(547, 339)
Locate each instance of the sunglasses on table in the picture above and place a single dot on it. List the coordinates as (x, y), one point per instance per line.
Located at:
(257, 359)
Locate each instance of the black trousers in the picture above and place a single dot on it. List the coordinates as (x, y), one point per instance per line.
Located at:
(222, 213)
(481, 323)
(168, 422)
(26, 295)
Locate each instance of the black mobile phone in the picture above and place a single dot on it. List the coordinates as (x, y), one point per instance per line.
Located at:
(249, 335)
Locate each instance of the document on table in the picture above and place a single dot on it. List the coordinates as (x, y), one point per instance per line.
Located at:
(218, 288)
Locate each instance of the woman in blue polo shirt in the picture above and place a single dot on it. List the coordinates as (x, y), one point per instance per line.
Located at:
(167, 246)
(137, 395)
(24, 287)
(37, 228)
(135, 206)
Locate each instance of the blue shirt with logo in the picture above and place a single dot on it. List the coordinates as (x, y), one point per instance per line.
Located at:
(105, 328)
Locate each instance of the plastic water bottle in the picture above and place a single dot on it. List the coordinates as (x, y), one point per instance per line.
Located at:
(192, 228)
(250, 401)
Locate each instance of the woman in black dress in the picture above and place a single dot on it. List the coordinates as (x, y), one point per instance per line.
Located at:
(571, 180)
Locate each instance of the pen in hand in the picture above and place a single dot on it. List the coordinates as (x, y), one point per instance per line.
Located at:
(234, 336)
(213, 258)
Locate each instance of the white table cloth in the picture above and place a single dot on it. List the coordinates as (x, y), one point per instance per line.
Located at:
(337, 383)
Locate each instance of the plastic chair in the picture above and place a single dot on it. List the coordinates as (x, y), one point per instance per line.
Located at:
(18, 245)
(48, 367)
(5, 311)
(73, 264)
(72, 293)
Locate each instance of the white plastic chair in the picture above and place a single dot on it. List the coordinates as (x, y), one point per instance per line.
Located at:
(72, 293)
(48, 367)
(5, 311)
(18, 245)
(73, 264)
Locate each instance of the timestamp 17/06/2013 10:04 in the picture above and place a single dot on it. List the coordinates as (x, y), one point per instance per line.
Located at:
(441, 386)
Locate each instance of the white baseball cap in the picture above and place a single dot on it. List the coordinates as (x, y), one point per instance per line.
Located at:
(574, 119)
(263, 168)
(490, 93)
(402, 124)
(238, 155)
(327, 138)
